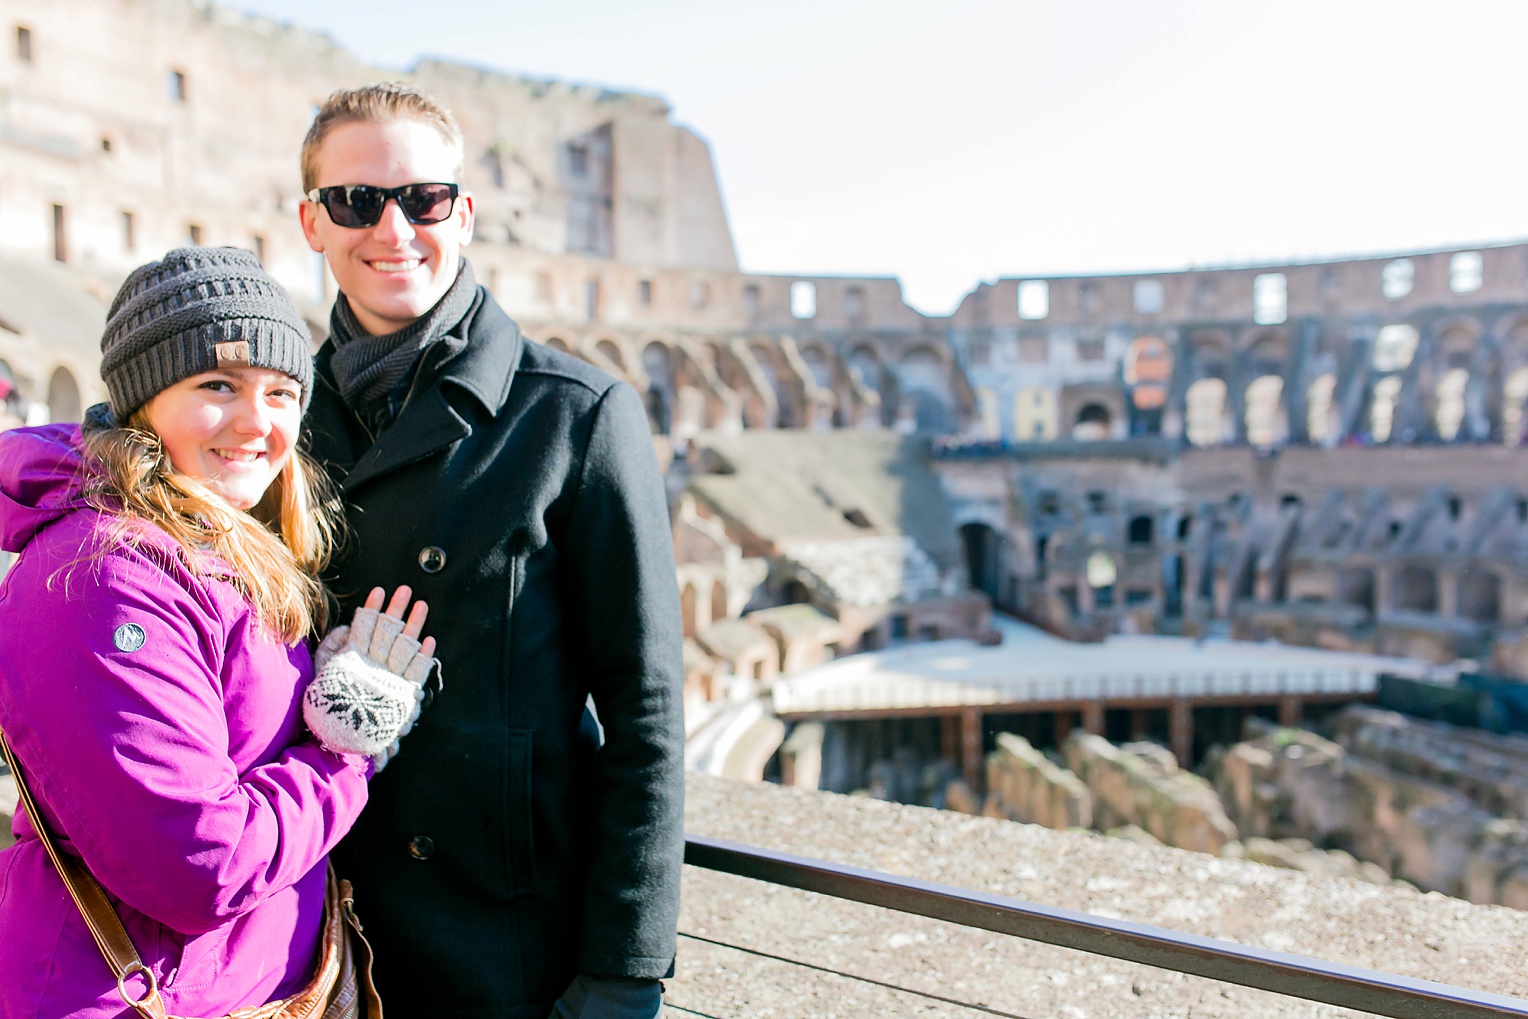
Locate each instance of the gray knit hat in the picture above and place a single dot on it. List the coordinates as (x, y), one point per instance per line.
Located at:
(196, 310)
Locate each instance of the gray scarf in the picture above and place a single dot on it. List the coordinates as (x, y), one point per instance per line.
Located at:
(372, 370)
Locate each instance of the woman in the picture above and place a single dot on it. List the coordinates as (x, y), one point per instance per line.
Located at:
(153, 658)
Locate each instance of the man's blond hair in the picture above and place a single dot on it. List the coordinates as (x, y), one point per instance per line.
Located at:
(377, 104)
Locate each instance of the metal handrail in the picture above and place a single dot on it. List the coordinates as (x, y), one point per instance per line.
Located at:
(1297, 976)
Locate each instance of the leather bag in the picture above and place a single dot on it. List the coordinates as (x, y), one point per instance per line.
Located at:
(341, 987)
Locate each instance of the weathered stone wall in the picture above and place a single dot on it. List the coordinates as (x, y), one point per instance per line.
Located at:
(1419, 814)
(1143, 785)
(1025, 785)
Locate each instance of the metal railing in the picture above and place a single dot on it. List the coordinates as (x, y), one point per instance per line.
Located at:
(856, 692)
(1297, 976)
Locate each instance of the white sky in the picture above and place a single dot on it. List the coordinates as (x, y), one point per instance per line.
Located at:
(952, 142)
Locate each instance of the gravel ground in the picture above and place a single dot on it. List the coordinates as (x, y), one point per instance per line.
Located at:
(1428, 936)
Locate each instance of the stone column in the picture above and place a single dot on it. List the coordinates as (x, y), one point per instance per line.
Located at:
(971, 747)
(1180, 728)
(1093, 717)
(1291, 710)
(1065, 721)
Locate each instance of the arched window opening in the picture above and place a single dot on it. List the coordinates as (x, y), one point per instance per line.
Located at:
(1382, 408)
(1514, 397)
(984, 564)
(719, 602)
(1093, 422)
(612, 352)
(1205, 413)
(63, 396)
(1394, 347)
(1267, 423)
(658, 418)
(1448, 414)
(1416, 589)
(1142, 530)
(1320, 417)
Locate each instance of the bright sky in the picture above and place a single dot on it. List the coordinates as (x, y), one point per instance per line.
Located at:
(952, 142)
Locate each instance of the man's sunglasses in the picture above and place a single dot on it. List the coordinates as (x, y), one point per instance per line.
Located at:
(358, 206)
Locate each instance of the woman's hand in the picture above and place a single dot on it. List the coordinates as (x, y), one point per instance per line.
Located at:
(367, 617)
(370, 678)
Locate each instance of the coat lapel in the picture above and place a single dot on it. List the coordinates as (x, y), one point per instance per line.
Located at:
(485, 368)
(427, 424)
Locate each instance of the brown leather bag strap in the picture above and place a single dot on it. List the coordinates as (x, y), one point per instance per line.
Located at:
(104, 923)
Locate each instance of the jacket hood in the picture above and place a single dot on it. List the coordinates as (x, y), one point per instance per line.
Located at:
(42, 478)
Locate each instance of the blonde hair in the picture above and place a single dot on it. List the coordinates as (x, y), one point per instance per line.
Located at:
(377, 104)
(276, 550)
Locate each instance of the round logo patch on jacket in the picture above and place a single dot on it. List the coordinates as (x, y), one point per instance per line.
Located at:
(129, 637)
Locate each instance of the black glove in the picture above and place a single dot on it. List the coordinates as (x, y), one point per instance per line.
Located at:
(609, 998)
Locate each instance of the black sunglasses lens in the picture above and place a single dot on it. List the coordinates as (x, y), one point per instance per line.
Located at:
(356, 206)
(426, 203)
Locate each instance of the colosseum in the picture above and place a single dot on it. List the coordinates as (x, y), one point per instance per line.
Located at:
(1316, 452)
(1259, 457)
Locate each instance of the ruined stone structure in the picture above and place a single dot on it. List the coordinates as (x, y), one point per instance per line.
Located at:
(1438, 806)
(1320, 453)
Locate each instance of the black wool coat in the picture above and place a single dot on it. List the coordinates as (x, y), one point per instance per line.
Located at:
(504, 850)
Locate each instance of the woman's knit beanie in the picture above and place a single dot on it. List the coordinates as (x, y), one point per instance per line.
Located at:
(197, 310)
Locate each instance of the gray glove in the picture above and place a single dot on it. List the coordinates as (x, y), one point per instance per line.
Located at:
(368, 689)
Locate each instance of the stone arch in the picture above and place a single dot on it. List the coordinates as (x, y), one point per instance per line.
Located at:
(1416, 588)
(1092, 423)
(1206, 416)
(610, 350)
(1105, 421)
(63, 396)
(658, 366)
(1322, 424)
(719, 602)
(983, 546)
(867, 373)
(687, 608)
(1205, 410)
(557, 343)
(1266, 419)
(923, 374)
(756, 405)
(777, 374)
(1148, 372)
(1512, 370)
(821, 363)
(1480, 596)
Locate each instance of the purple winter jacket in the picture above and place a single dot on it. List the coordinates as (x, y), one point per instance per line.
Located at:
(178, 769)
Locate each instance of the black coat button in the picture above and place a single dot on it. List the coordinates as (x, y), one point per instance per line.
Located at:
(432, 559)
(421, 847)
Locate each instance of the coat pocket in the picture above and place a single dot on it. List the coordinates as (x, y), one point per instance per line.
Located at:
(519, 841)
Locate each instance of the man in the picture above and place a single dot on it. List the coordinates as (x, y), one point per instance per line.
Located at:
(509, 864)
